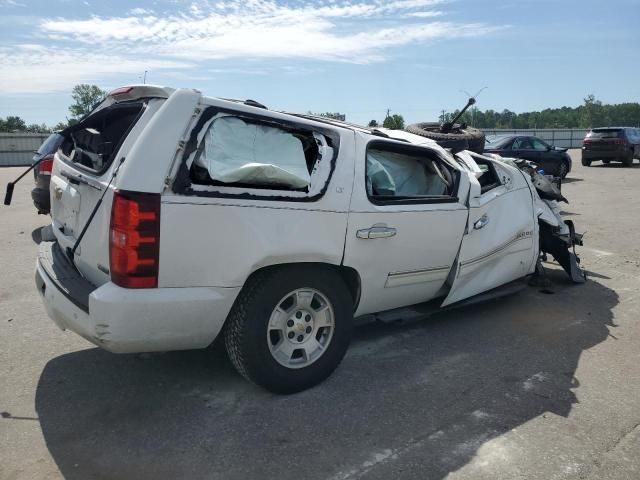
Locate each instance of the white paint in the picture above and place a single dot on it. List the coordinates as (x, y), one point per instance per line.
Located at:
(143, 320)
(209, 246)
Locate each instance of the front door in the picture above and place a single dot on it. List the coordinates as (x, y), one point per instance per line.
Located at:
(405, 224)
(500, 241)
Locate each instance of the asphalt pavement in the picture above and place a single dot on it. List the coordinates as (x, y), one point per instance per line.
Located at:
(544, 384)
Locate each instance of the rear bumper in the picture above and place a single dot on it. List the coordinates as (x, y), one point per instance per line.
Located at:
(612, 154)
(124, 320)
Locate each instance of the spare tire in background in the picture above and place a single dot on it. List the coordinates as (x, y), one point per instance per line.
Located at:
(459, 138)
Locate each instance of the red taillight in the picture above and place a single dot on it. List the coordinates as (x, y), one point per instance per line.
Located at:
(587, 140)
(46, 165)
(134, 239)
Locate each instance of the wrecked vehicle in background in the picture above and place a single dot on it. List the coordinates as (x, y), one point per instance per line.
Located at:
(179, 217)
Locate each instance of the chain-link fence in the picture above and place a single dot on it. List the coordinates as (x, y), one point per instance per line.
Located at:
(559, 137)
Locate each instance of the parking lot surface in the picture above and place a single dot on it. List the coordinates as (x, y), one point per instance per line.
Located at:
(544, 384)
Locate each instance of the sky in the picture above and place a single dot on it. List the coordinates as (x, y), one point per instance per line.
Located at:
(358, 57)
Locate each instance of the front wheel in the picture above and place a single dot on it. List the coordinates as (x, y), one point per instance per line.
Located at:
(290, 327)
(563, 170)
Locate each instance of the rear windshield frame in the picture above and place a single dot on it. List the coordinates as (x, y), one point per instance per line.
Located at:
(142, 104)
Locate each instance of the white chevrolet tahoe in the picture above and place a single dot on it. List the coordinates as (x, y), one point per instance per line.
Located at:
(179, 217)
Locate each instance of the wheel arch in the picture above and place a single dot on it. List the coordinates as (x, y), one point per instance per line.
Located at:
(350, 275)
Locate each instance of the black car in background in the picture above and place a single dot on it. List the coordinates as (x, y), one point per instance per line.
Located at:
(42, 172)
(618, 144)
(553, 160)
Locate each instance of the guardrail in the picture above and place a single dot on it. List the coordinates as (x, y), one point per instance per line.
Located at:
(17, 148)
(559, 137)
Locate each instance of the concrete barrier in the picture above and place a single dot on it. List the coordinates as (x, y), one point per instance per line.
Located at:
(17, 148)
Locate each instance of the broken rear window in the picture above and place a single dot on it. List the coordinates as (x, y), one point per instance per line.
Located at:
(93, 143)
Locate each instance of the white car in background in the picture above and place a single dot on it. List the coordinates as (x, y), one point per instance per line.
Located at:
(179, 217)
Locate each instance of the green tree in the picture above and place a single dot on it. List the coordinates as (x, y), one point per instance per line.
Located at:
(373, 124)
(35, 128)
(12, 124)
(85, 97)
(394, 122)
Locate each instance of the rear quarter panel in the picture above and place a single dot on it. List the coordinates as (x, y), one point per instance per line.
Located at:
(219, 242)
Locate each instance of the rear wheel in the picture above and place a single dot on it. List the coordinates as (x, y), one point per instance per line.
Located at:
(290, 327)
(586, 163)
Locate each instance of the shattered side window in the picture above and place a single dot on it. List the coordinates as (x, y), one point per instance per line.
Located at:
(242, 153)
(397, 175)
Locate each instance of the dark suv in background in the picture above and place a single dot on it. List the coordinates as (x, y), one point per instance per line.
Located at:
(618, 144)
(42, 172)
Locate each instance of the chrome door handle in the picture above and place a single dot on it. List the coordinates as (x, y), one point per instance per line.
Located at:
(483, 222)
(379, 230)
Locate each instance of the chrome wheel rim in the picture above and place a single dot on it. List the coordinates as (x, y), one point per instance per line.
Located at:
(300, 328)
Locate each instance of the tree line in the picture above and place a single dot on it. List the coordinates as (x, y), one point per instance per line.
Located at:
(593, 113)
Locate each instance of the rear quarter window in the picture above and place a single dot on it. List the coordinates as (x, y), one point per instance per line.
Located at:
(233, 154)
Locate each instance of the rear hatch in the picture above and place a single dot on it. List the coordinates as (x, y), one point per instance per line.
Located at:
(604, 139)
(85, 164)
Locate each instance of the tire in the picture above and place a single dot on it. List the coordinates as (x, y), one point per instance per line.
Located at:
(250, 336)
(563, 169)
(459, 139)
(628, 162)
(606, 162)
(586, 163)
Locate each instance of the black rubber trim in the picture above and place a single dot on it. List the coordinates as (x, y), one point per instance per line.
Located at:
(413, 150)
(182, 184)
(64, 276)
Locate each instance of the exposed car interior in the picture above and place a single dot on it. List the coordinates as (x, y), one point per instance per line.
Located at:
(93, 142)
(244, 153)
(401, 175)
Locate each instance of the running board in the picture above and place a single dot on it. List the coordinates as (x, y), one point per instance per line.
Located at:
(424, 310)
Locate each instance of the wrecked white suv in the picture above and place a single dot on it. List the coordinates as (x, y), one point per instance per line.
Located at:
(178, 217)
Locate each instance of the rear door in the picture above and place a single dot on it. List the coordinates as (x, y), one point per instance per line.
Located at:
(547, 157)
(523, 148)
(85, 164)
(405, 224)
(499, 244)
